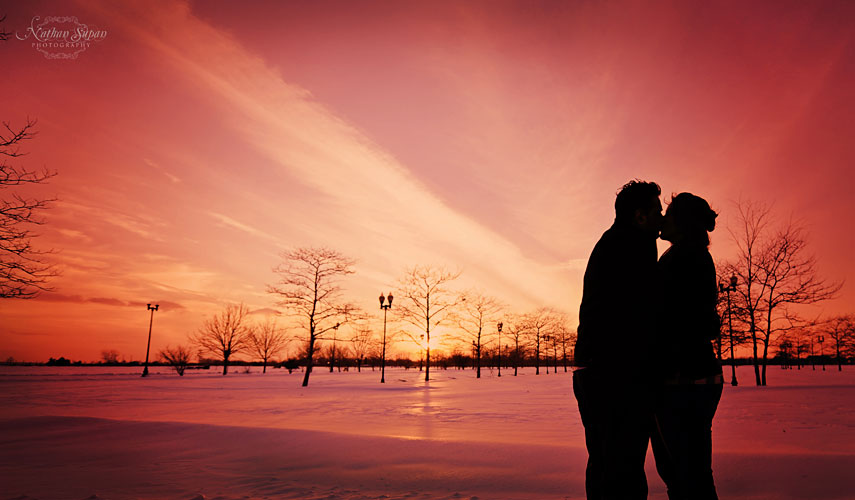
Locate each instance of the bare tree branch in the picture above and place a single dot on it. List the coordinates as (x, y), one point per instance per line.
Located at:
(178, 358)
(774, 271)
(425, 302)
(267, 340)
(309, 290)
(538, 324)
(477, 311)
(23, 272)
(226, 334)
(516, 327)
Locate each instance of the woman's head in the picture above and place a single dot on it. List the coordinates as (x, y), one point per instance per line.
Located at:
(688, 218)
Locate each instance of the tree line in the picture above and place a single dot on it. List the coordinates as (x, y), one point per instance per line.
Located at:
(324, 325)
(763, 289)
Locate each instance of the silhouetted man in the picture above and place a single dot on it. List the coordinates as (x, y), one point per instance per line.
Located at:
(615, 324)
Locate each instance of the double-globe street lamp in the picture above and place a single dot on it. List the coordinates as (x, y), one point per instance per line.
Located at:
(385, 307)
(148, 345)
(727, 289)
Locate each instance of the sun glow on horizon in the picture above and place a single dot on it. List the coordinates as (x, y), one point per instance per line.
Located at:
(489, 139)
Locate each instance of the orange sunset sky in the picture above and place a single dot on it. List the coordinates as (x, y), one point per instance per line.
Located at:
(200, 139)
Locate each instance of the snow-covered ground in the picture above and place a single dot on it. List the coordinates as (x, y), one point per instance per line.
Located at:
(74, 432)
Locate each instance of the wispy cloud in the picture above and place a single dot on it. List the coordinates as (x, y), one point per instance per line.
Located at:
(108, 301)
(138, 224)
(228, 221)
(151, 163)
(375, 207)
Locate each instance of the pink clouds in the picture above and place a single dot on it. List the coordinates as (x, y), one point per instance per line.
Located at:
(195, 142)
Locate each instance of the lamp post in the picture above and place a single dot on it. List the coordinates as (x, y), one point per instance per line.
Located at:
(821, 339)
(148, 345)
(727, 289)
(546, 340)
(332, 354)
(499, 328)
(812, 357)
(385, 308)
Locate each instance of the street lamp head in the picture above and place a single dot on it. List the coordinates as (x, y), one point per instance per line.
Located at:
(152, 308)
(390, 299)
(499, 326)
(733, 281)
(382, 299)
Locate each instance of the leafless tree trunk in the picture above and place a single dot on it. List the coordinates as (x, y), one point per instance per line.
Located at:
(802, 344)
(774, 272)
(267, 341)
(362, 343)
(563, 337)
(515, 327)
(478, 312)
(309, 288)
(178, 358)
(110, 357)
(23, 271)
(734, 319)
(225, 334)
(426, 302)
(791, 278)
(841, 329)
(752, 220)
(538, 324)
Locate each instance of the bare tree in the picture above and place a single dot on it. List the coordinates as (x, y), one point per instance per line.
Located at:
(538, 324)
(342, 355)
(734, 319)
(178, 358)
(425, 302)
(362, 343)
(774, 273)
(801, 343)
(752, 220)
(225, 334)
(478, 311)
(334, 351)
(110, 356)
(309, 288)
(841, 329)
(267, 340)
(23, 271)
(564, 338)
(790, 277)
(516, 327)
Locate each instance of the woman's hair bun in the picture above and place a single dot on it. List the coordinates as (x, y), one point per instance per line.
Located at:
(710, 220)
(693, 213)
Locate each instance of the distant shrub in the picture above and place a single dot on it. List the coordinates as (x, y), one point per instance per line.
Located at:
(178, 358)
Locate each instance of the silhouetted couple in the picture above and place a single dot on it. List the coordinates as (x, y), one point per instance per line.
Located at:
(648, 371)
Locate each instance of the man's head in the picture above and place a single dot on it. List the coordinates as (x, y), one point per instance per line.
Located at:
(638, 204)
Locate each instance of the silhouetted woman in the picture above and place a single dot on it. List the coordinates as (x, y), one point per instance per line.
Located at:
(690, 375)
